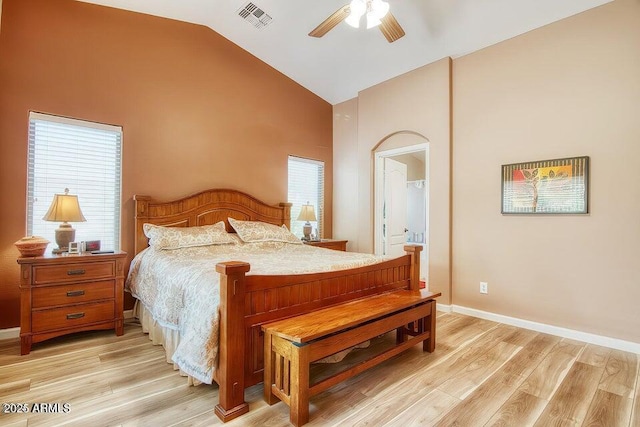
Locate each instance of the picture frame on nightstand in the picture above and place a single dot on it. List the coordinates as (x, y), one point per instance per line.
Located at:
(74, 248)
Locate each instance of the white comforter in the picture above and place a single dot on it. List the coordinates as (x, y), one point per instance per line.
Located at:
(181, 288)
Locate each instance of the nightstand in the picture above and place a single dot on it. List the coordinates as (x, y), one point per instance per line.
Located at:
(338, 245)
(62, 294)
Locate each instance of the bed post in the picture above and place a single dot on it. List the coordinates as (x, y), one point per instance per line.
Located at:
(286, 214)
(142, 213)
(414, 251)
(231, 351)
(414, 283)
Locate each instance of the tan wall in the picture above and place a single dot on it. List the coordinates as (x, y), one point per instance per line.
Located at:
(345, 172)
(197, 111)
(569, 89)
(416, 102)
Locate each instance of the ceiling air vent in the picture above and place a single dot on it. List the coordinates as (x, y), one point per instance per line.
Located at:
(254, 15)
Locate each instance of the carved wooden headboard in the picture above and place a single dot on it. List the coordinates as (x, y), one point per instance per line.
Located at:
(205, 208)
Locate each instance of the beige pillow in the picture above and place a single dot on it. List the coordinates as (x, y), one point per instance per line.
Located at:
(186, 237)
(257, 231)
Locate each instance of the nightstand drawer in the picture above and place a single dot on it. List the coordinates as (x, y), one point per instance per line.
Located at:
(48, 296)
(336, 245)
(73, 272)
(72, 316)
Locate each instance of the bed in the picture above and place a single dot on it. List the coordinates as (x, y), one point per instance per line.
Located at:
(247, 301)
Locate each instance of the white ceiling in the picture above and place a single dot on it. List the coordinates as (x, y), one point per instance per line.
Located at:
(348, 60)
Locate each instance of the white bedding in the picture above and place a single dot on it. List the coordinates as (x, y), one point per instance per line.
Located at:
(180, 288)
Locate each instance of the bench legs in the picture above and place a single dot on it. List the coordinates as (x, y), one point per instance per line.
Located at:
(269, 370)
(299, 385)
(427, 323)
(430, 325)
(286, 376)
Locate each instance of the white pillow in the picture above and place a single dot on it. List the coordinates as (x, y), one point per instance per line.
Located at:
(257, 231)
(186, 237)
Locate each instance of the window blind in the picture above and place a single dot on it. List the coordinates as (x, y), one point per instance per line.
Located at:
(306, 184)
(84, 157)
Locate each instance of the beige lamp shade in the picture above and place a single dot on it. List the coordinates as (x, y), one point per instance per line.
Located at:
(64, 208)
(307, 213)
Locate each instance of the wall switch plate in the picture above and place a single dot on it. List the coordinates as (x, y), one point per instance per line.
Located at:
(484, 287)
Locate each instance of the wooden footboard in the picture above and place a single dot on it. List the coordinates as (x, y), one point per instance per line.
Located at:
(249, 301)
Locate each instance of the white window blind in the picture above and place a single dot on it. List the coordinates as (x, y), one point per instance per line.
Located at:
(84, 157)
(306, 184)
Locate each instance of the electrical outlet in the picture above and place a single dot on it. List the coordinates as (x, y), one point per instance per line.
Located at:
(484, 287)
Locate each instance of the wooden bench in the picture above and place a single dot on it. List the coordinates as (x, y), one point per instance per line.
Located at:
(292, 344)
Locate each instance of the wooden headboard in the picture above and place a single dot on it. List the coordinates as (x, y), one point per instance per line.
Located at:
(205, 208)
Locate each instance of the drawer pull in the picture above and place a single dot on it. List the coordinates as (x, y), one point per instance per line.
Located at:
(75, 272)
(75, 293)
(75, 316)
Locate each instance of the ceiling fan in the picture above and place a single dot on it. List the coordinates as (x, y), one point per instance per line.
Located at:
(377, 15)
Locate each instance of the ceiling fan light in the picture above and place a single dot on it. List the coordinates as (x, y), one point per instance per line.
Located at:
(372, 20)
(379, 8)
(358, 8)
(353, 20)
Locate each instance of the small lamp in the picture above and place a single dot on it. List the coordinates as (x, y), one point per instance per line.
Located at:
(307, 214)
(64, 208)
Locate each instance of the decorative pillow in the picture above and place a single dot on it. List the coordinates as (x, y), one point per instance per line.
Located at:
(257, 231)
(185, 237)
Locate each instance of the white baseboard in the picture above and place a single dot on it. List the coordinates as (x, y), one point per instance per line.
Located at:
(601, 340)
(443, 308)
(9, 333)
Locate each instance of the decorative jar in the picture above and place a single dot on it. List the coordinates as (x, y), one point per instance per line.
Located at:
(31, 246)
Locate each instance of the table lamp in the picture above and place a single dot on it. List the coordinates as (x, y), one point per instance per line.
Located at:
(307, 214)
(64, 208)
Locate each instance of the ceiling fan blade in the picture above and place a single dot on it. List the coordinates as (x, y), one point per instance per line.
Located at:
(328, 24)
(391, 28)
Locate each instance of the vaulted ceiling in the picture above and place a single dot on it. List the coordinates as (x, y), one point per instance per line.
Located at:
(347, 60)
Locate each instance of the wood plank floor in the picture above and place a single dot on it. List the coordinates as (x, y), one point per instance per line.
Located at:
(481, 374)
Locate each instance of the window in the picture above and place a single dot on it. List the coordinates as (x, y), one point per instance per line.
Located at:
(84, 157)
(306, 185)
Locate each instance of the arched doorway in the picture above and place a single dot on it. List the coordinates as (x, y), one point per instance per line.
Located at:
(401, 195)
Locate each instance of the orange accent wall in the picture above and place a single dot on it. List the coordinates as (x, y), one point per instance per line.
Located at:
(197, 111)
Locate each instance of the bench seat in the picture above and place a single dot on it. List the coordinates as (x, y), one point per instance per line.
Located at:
(292, 344)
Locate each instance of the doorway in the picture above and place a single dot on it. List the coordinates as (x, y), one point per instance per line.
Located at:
(402, 202)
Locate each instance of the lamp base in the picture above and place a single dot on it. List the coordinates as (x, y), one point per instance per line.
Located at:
(64, 234)
(306, 230)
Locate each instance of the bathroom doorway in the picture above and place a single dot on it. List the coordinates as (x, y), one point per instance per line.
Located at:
(402, 202)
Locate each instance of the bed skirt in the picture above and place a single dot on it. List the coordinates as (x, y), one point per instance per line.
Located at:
(161, 335)
(170, 338)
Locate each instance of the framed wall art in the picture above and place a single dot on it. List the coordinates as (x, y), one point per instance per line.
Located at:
(559, 186)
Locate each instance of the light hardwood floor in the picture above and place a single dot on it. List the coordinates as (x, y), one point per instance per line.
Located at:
(481, 374)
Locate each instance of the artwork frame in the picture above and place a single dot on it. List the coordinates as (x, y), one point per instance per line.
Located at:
(546, 187)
